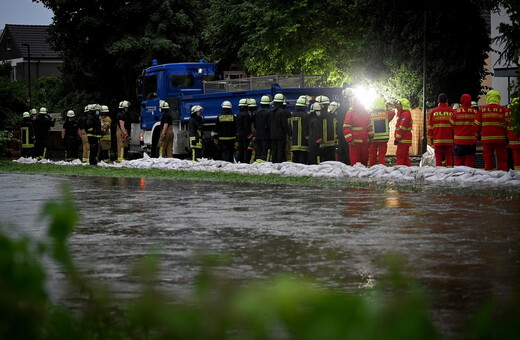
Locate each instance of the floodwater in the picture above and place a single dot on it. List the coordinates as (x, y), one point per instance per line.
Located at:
(463, 250)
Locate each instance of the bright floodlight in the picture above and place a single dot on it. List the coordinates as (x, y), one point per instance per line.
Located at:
(366, 95)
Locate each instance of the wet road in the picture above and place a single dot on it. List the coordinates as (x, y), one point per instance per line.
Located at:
(461, 249)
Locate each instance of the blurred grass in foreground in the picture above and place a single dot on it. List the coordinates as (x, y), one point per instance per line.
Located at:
(280, 308)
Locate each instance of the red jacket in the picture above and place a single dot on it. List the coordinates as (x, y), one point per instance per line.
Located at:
(439, 126)
(462, 122)
(514, 137)
(357, 127)
(403, 127)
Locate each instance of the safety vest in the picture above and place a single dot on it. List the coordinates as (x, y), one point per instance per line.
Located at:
(299, 142)
(27, 141)
(380, 121)
(439, 125)
(329, 129)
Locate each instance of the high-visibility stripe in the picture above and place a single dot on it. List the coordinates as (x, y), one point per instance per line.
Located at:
(465, 137)
(493, 137)
(357, 140)
(227, 138)
(477, 122)
(443, 141)
(226, 118)
(357, 128)
(492, 124)
(441, 125)
(463, 123)
(514, 142)
(347, 125)
(348, 135)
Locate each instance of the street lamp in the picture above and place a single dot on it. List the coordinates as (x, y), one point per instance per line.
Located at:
(29, 73)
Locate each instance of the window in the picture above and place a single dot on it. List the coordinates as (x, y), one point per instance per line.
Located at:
(150, 87)
(8, 43)
(182, 81)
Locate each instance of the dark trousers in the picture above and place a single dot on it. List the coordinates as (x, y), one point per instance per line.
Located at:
(278, 150)
(301, 157)
(71, 148)
(343, 154)
(94, 149)
(228, 149)
(243, 153)
(262, 148)
(314, 153)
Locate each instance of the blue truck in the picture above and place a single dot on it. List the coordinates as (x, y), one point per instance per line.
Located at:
(184, 85)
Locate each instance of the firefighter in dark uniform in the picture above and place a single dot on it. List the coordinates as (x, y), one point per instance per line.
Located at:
(261, 126)
(316, 143)
(42, 125)
(244, 131)
(27, 133)
(70, 136)
(93, 129)
(226, 131)
(123, 131)
(329, 130)
(300, 132)
(195, 132)
(165, 144)
(278, 129)
(252, 107)
(342, 153)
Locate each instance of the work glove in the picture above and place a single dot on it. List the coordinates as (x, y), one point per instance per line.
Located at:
(396, 142)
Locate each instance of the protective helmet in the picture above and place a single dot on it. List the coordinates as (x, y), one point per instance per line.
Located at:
(456, 106)
(242, 102)
(43, 111)
(347, 92)
(26, 114)
(104, 109)
(124, 104)
(266, 100)
(226, 104)
(302, 101)
(379, 104)
(70, 114)
(315, 107)
(333, 106)
(163, 105)
(196, 108)
(33, 111)
(251, 102)
(86, 108)
(279, 98)
(96, 108)
(323, 100)
(474, 104)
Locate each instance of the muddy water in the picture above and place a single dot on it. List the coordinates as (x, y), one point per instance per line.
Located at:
(463, 250)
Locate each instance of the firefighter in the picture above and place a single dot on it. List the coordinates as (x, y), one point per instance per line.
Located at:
(329, 129)
(315, 139)
(462, 121)
(380, 118)
(93, 129)
(70, 136)
(514, 137)
(27, 133)
(195, 132)
(252, 107)
(261, 126)
(226, 131)
(244, 131)
(123, 131)
(300, 132)
(342, 154)
(490, 128)
(165, 145)
(278, 129)
(403, 132)
(105, 143)
(42, 125)
(83, 135)
(440, 132)
(357, 132)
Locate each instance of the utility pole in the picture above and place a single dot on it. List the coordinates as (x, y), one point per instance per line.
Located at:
(29, 73)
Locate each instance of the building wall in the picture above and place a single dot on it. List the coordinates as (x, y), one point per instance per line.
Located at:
(38, 69)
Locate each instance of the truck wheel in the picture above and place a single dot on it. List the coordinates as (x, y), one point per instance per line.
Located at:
(154, 153)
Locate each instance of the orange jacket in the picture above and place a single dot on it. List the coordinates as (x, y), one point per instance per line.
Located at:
(403, 127)
(462, 122)
(357, 127)
(439, 126)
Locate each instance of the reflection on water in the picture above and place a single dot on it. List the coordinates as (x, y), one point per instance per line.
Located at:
(461, 249)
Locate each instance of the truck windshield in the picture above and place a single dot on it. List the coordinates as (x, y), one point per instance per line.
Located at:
(150, 87)
(182, 81)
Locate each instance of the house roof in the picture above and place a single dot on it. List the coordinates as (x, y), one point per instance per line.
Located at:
(36, 36)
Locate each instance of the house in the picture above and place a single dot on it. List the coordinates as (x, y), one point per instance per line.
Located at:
(22, 45)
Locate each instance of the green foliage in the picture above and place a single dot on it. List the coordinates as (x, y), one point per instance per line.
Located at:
(13, 94)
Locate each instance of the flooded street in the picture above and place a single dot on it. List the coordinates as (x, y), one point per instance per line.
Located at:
(463, 250)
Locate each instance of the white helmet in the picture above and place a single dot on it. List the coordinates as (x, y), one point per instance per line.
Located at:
(26, 114)
(301, 101)
(333, 106)
(163, 105)
(324, 100)
(33, 111)
(86, 108)
(70, 114)
(279, 98)
(265, 100)
(124, 104)
(227, 104)
(242, 102)
(196, 108)
(43, 111)
(315, 107)
(347, 92)
(251, 102)
(104, 109)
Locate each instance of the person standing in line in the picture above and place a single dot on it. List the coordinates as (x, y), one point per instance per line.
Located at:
(300, 131)
(195, 132)
(278, 128)
(42, 125)
(403, 132)
(514, 137)
(27, 135)
(93, 129)
(226, 131)
(123, 131)
(329, 130)
(357, 132)
(315, 139)
(165, 145)
(83, 135)
(261, 127)
(70, 136)
(342, 154)
(490, 128)
(105, 143)
(380, 118)
(244, 131)
(440, 132)
(462, 121)
(252, 107)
